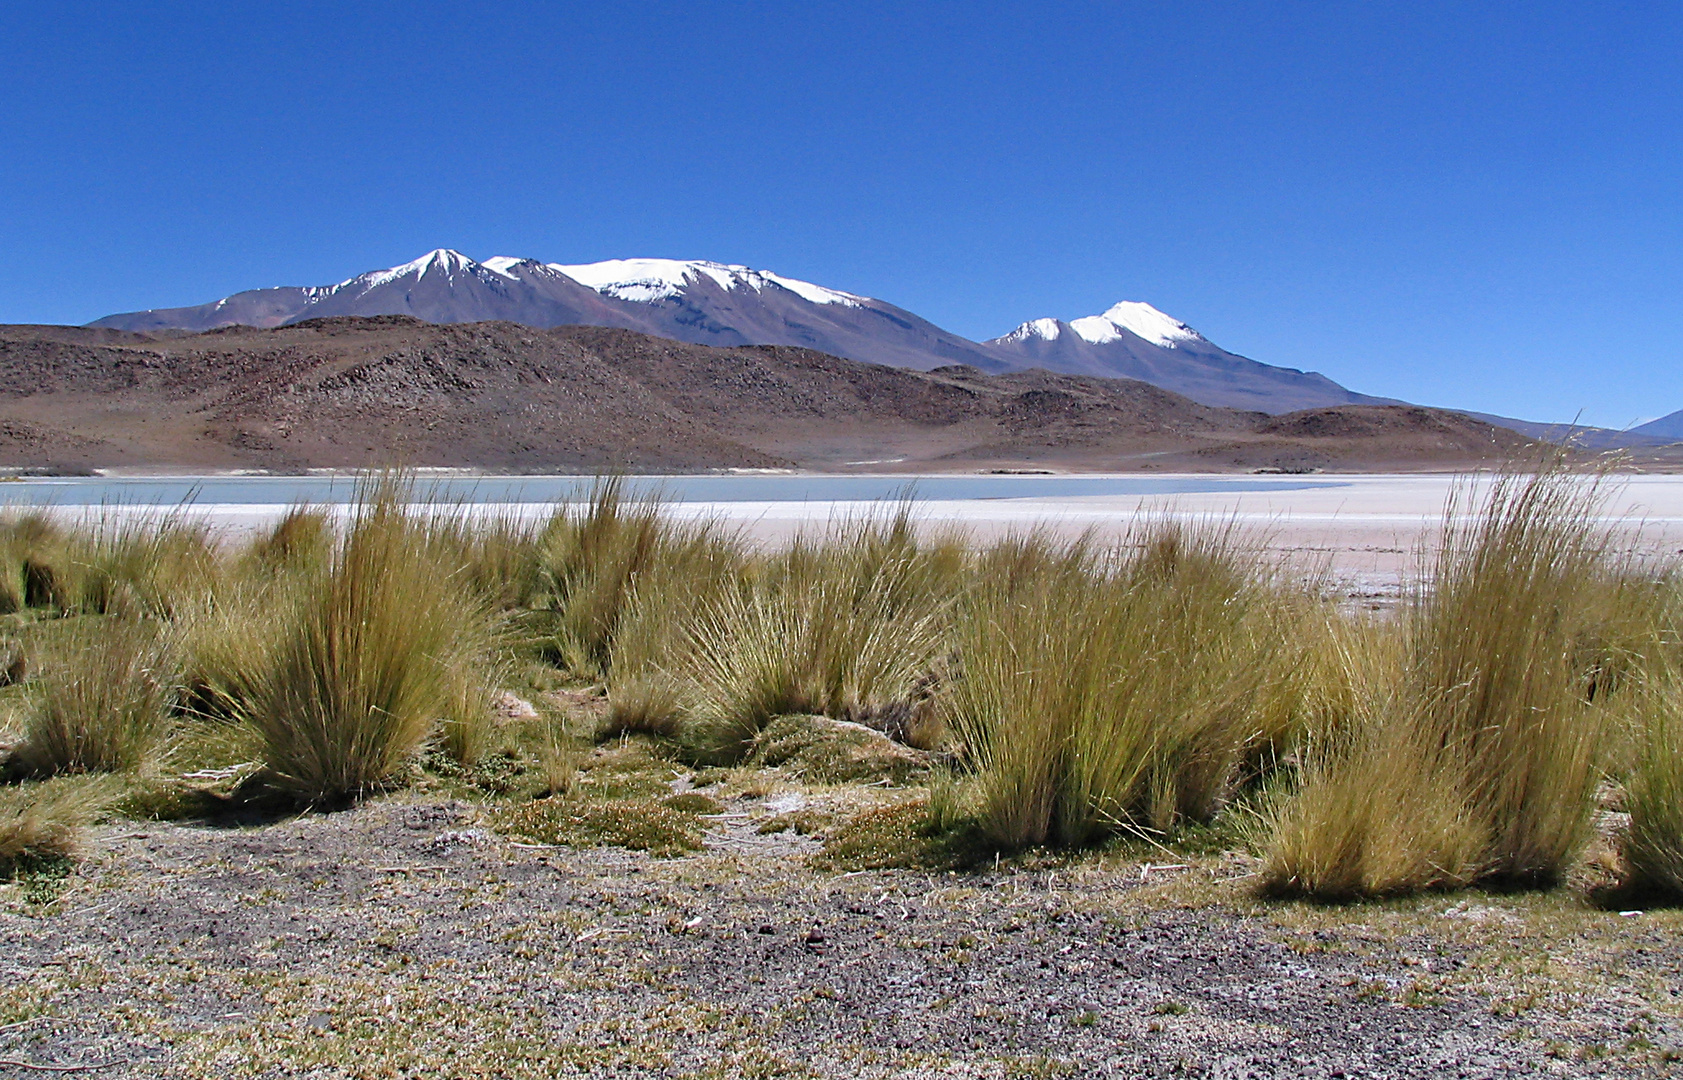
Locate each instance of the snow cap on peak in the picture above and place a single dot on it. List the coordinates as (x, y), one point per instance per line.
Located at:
(1046, 329)
(649, 280)
(442, 260)
(1140, 319)
(502, 264)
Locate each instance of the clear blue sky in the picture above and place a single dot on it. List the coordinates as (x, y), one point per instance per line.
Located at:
(1477, 205)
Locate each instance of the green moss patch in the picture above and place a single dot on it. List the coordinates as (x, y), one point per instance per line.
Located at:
(823, 750)
(694, 802)
(799, 822)
(901, 837)
(638, 824)
(631, 768)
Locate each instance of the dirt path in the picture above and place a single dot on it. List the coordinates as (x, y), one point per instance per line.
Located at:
(403, 939)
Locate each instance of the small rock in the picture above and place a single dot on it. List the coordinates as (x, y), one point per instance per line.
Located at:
(510, 706)
(444, 841)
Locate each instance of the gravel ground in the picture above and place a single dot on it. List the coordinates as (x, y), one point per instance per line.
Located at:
(403, 938)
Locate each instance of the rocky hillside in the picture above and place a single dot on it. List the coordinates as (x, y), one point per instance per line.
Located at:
(496, 395)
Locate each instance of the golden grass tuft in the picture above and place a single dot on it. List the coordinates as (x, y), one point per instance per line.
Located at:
(588, 565)
(377, 649)
(45, 819)
(1652, 846)
(1120, 692)
(102, 700)
(1479, 761)
(854, 628)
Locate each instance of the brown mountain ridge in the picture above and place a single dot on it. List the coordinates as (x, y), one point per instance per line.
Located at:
(348, 392)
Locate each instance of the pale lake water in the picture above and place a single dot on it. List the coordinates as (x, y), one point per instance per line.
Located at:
(482, 490)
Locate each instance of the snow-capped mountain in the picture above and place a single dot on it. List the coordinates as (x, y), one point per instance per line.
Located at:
(704, 303)
(648, 280)
(1133, 340)
(442, 286)
(709, 303)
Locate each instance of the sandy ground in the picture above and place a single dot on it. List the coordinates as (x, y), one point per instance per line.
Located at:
(405, 939)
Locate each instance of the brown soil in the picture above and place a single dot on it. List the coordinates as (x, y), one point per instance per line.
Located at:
(356, 392)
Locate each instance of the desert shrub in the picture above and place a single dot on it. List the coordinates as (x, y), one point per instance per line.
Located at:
(1099, 693)
(102, 700)
(45, 819)
(384, 642)
(1480, 761)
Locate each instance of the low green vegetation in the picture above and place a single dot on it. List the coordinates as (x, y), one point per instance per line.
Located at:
(610, 674)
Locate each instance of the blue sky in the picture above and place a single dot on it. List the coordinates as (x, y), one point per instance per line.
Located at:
(1478, 205)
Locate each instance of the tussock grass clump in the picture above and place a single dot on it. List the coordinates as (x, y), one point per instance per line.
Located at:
(143, 568)
(500, 554)
(699, 567)
(1653, 844)
(1106, 693)
(35, 563)
(302, 539)
(102, 701)
(854, 628)
(45, 819)
(1479, 762)
(588, 565)
(376, 650)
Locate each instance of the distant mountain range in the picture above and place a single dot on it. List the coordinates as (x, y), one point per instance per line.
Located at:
(708, 303)
(1669, 426)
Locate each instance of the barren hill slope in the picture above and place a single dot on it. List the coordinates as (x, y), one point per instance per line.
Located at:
(360, 391)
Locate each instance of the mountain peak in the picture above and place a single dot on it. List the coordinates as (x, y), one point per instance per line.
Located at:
(727, 305)
(446, 261)
(646, 281)
(1045, 329)
(1137, 318)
